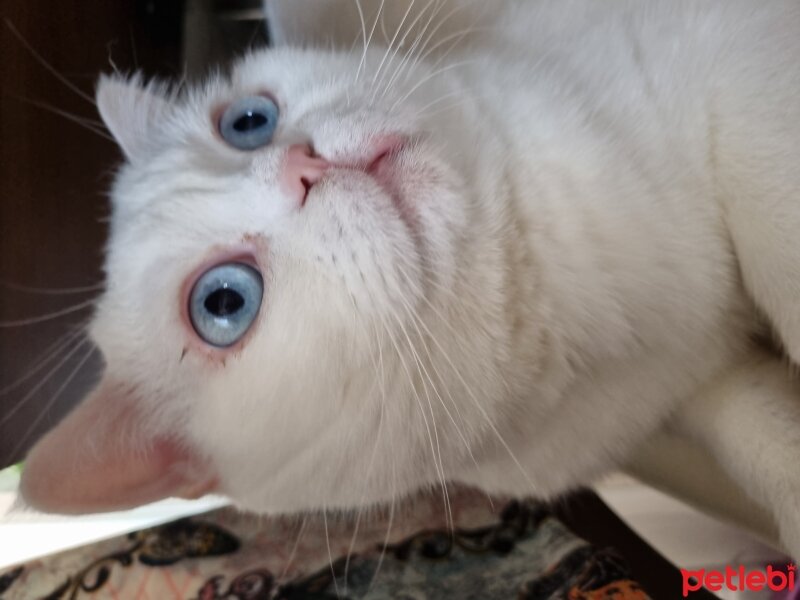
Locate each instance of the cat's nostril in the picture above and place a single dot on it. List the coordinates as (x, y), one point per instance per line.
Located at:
(302, 169)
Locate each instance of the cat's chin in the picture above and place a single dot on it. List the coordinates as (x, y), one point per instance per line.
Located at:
(304, 503)
(303, 493)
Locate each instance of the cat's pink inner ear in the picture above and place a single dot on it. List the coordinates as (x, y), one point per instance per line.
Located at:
(101, 458)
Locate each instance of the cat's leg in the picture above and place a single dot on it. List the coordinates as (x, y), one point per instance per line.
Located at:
(754, 146)
(750, 422)
(765, 228)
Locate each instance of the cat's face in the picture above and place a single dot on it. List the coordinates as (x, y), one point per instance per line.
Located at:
(310, 382)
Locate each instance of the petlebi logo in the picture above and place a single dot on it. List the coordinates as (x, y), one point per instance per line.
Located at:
(739, 579)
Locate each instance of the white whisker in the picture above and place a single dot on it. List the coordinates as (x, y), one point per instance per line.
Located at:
(40, 59)
(48, 356)
(32, 392)
(47, 317)
(427, 78)
(455, 38)
(27, 289)
(293, 552)
(402, 41)
(51, 402)
(418, 322)
(330, 553)
(409, 55)
(477, 402)
(364, 38)
(372, 457)
(457, 93)
(391, 43)
(437, 451)
(424, 52)
(390, 522)
(95, 127)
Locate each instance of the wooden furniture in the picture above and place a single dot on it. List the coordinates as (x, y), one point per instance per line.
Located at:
(589, 517)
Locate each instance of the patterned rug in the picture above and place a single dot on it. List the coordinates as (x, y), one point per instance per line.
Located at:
(478, 549)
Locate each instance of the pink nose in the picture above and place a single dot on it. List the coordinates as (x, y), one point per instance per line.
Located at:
(301, 170)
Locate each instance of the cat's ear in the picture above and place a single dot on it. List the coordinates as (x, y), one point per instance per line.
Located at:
(133, 112)
(104, 456)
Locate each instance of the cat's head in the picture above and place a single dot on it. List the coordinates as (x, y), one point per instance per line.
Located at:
(296, 314)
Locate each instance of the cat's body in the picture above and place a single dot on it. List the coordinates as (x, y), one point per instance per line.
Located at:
(587, 208)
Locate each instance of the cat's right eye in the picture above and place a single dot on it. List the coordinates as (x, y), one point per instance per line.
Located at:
(249, 123)
(224, 303)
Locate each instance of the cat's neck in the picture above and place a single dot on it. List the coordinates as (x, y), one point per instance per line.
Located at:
(561, 233)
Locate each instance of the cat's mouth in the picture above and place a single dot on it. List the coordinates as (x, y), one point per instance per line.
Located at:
(383, 162)
(386, 170)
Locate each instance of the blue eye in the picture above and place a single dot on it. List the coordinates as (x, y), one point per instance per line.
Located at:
(224, 303)
(249, 123)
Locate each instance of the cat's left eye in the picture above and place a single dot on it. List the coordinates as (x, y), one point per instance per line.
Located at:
(224, 303)
(249, 123)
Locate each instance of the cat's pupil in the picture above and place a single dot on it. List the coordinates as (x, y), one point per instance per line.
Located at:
(223, 302)
(249, 121)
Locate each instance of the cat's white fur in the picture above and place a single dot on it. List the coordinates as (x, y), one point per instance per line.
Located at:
(607, 198)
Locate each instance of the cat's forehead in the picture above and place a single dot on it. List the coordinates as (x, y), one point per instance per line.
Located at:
(304, 83)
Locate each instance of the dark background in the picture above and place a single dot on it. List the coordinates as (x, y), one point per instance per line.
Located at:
(54, 174)
(53, 177)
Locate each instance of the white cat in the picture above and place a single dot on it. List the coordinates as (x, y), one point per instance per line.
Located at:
(503, 251)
